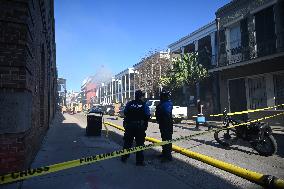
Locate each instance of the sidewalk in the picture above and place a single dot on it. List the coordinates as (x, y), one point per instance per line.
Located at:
(67, 141)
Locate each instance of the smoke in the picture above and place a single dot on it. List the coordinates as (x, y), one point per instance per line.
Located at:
(103, 74)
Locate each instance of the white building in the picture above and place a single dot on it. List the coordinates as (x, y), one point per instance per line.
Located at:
(119, 89)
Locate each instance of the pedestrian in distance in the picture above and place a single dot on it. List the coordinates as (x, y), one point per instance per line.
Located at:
(73, 110)
(137, 114)
(63, 109)
(165, 121)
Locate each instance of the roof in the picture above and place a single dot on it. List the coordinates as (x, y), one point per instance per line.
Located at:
(193, 33)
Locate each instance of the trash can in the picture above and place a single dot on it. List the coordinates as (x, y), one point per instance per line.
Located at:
(94, 124)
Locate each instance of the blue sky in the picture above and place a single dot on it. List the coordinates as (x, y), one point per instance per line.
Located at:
(116, 34)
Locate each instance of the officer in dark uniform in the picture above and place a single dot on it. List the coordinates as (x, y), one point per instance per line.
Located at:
(165, 120)
(137, 114)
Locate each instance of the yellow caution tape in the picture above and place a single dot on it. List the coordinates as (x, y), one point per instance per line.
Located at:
(105, 128)
(256, 120)
(258, 178)
(245, 112)
(22, 175)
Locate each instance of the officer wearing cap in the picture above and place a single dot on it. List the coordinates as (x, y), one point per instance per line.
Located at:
(165, 120)
(137, 114)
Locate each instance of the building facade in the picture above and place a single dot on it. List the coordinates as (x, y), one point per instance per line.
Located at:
(148, 72)
(28, 82)
(61, 89)
(204, 42)
(251, 54)
(119, 89)
(90, 92)
(143, 75)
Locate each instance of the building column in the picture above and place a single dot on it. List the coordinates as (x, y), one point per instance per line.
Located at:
(270, 90)
(196, 45)
(134, 83)
(100, 94)
(111, 91)
(121, 90)
(129, 85)
(125, 86)
(114, 93)
(197, 85)
(182, 50)
(279, 24)
(105, 93)
(213, 52)
(116, 90)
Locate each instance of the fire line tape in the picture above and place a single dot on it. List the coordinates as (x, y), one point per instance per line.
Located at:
(22, 175)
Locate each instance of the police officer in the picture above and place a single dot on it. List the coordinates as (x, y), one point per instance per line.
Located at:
(137, 114)
(165, 120)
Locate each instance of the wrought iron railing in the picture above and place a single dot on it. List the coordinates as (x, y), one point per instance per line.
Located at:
(266, 47)
(253, 51)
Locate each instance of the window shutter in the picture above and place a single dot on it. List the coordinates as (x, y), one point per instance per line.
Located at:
(244, 38)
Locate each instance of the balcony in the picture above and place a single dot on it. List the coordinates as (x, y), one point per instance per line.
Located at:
(257, 50)
(265, 48)
(235, 55)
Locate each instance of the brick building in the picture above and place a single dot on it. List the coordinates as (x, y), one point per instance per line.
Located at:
(28, 79)
(90, 92)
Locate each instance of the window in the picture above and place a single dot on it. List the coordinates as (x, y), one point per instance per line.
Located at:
(265, 32)
(257, 92)
(235, 44)
(279, 89)
(235, 37)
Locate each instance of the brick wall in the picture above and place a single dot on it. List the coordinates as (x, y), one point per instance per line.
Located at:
(27, 79)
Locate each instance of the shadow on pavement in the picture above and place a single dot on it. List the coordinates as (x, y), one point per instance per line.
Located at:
(191, 127)
(278, 137)
(280, 144)
(180, 169)
(65, 143)
(233, 147)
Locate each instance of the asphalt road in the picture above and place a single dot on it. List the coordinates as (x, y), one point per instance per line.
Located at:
(195, 173)
(66, 140)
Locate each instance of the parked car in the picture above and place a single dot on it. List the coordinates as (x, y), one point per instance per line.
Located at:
(97, 109)
(179, 113)
(111, 111)
(121, 111)
(152, 106)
